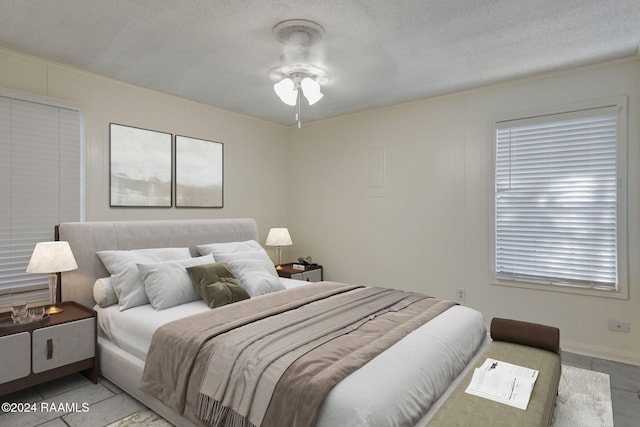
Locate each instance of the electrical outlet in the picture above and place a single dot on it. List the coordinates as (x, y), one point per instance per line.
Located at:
(618, 326)
(460, 294)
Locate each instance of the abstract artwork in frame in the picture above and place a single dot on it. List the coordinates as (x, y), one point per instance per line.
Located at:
(199, 173)
(140, 167)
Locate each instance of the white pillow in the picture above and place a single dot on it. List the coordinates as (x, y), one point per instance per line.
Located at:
(125, 277)
(103, 292)
(249, 249)
(168, 284)
(255, 277)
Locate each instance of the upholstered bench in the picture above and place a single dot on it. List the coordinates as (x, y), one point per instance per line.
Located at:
(521, 343)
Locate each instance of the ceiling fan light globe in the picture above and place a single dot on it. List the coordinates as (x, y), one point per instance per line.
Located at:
(313, 98)
(286, 91)
(311, 90)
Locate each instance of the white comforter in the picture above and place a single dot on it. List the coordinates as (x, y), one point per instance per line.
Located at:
(394, 389)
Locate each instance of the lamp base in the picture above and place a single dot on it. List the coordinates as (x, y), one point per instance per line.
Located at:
(53, 285)
(54, 310)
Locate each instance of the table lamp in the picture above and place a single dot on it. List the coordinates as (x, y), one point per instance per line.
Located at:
(52, 258)
(278, 237)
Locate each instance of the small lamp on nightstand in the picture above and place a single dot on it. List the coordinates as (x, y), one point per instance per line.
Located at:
(278, 237)
(52, 258)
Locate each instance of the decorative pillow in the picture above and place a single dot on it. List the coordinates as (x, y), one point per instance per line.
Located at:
(249, 249)
(124, 271)
(167, 284)
(255, 277)
(217, 284)
(103, 292)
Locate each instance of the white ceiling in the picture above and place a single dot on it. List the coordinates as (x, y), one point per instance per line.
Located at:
(378, 52)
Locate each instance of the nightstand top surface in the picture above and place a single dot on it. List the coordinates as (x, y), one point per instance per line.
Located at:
(72, 311)
(289, 267)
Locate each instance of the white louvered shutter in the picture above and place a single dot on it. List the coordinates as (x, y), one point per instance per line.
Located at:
(556, 199)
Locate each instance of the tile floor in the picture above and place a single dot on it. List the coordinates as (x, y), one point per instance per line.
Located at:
(106, 403)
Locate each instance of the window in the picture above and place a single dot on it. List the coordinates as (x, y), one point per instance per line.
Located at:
(40, 186)
(560, 203)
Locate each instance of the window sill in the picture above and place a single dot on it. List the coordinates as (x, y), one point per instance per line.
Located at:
(35, 295)
(566, 289)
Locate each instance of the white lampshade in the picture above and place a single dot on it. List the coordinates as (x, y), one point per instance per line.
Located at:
(286, 91)
(311, 90)
(51, 257)
(278, 237)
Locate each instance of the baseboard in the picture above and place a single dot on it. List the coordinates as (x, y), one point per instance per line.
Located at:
(601, 352)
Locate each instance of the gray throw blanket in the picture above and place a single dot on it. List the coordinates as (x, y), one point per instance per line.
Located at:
(331, 328)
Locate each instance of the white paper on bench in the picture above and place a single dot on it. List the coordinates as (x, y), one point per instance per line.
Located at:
(503, 382)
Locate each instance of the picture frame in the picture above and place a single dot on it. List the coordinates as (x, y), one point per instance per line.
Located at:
(199, 173)
(140, 172)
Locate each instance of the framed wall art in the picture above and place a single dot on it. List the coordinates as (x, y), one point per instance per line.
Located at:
(141, 164)
(199, 173)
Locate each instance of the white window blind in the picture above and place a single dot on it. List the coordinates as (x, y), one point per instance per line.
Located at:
(40, 186)
(556, 199)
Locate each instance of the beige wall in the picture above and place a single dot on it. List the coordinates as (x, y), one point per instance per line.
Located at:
(428, 228)
(255, 154)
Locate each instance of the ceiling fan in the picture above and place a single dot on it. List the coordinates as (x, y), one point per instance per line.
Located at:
(298, 76)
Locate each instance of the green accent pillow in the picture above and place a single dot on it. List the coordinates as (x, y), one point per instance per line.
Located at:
(217, 284)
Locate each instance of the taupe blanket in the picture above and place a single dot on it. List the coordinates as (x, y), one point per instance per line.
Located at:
(271, 360)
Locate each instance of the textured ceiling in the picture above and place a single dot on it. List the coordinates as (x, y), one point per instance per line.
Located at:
(377, 52)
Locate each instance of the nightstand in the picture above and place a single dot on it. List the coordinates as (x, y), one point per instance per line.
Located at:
(64, 345)
(312, 273)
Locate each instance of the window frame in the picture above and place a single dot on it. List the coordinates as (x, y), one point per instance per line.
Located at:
(622, 289)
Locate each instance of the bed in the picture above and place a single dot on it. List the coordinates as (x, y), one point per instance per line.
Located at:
(402, 385)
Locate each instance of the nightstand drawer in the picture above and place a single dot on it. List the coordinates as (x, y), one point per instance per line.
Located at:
(15, 354)
(296, 276)
(63, 344)
(312, 275)
(308, 276)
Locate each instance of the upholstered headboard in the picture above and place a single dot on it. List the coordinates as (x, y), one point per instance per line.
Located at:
(87, 238)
